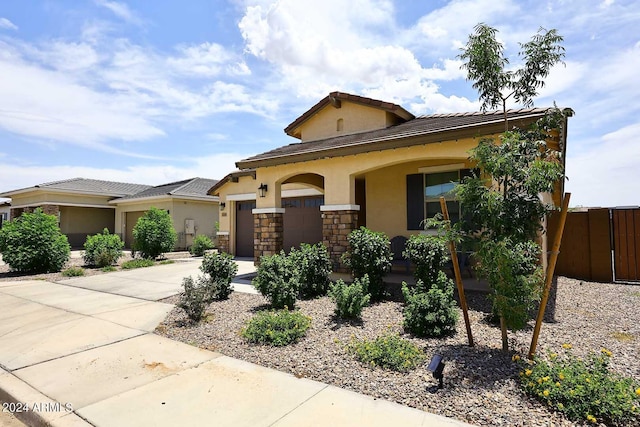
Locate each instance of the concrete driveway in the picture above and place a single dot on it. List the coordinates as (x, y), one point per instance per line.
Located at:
(83, 353)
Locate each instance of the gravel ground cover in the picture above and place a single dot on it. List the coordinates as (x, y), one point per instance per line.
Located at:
(480, 385)
(75, 261)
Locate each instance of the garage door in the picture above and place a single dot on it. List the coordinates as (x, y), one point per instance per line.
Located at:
(244, 228)
(302, 221)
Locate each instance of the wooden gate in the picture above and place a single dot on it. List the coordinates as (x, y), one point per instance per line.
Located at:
(626, 241)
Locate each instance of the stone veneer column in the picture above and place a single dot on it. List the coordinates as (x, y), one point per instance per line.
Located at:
(223, 241)
(50, 209)
(337, 222)
(268, 232)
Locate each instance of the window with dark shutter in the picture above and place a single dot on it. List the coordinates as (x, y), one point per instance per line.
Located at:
(415, 201)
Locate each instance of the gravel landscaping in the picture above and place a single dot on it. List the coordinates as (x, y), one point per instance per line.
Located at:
(480, 385)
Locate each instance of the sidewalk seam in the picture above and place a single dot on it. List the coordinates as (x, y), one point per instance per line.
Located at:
(300, 404)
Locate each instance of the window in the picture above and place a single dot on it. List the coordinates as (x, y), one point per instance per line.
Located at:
(423, 196)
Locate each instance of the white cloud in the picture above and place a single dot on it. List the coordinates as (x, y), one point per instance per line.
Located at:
(314, 50)
(13, 176)
(121, 10)
(605, 175)
(7, 25)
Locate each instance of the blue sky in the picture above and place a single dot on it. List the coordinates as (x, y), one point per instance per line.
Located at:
(157, 91)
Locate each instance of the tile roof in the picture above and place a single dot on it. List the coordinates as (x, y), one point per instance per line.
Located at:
(90, 186)
(194, 187)
(421, 130)
(335, 98)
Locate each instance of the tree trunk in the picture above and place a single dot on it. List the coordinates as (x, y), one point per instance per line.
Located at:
(505, 341)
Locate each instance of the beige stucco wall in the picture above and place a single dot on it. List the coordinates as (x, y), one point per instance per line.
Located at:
(38, 197)
(204, 213)
(356, 118)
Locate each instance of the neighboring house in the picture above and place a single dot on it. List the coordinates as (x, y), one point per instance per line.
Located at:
(192, 210)
(87, 206)
(360, 162)
(5, 210)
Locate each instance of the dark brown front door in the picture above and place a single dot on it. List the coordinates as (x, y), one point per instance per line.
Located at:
(244, 228)
(302, 221)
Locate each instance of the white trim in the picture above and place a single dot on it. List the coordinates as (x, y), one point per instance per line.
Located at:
(241, 196)
(325, 208)
(222, 233)
(442, 168)
(267, 210)
(301, 192)
(75, 205)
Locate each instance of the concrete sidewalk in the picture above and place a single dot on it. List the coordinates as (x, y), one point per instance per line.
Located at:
(83, 353)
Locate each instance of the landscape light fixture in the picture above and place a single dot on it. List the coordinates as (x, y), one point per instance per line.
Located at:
(262, 189)
(436, 366)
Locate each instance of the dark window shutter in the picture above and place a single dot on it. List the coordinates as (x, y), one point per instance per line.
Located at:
(415, 201)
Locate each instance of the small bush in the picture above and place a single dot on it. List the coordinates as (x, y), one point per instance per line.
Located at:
(428, 254)
(388, 352)
(137, 263)
(201, 243)
(350, 299)
(193, 299)
(369, 253)
(73, 272)
(277, 328)
(219, 270)
(432, 313)
(314, 267)
(154, 234)
(584, 390)
(108, 269)
(33, 243)
(277, 280)
(102, 249)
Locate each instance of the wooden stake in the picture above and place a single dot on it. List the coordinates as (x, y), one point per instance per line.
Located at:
(551, 268)
(456, 271)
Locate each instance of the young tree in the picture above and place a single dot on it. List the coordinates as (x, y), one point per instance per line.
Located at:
(485, 64)
(502, 202)
(154, 233)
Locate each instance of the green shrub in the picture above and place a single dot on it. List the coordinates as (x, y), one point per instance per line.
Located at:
(193, 299)
(219, 270)
(73, 272)
(584, 390)
(102, 249)
(369, 253)
(33, 243)
(387, 351)
(201, 243)
(432, 313)
(277, 280)
(314, 267)
(277, 328)
(154, 234)
(350, 299)
(108, 269)
(428, 254)
(137, 263)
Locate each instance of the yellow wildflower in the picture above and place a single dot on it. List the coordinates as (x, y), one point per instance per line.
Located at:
(553, 355)
(561, 376)
(545, 379)
(591, 418)
(557, 384)
(546, 393)
(528, 372)
(560, 406)
(539, 380)
(566, 346)
(588, 379)
(606, 352)
(515, 358)
(638, 391)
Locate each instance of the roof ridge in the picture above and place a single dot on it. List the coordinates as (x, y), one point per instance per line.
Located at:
(186, 182)
(483, 113)
(59, 181)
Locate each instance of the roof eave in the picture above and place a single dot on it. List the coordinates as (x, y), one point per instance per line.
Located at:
(229, 177)
(391, 142)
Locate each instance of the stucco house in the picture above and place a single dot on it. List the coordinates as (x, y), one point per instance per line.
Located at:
(359, 162)
(87, 206)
